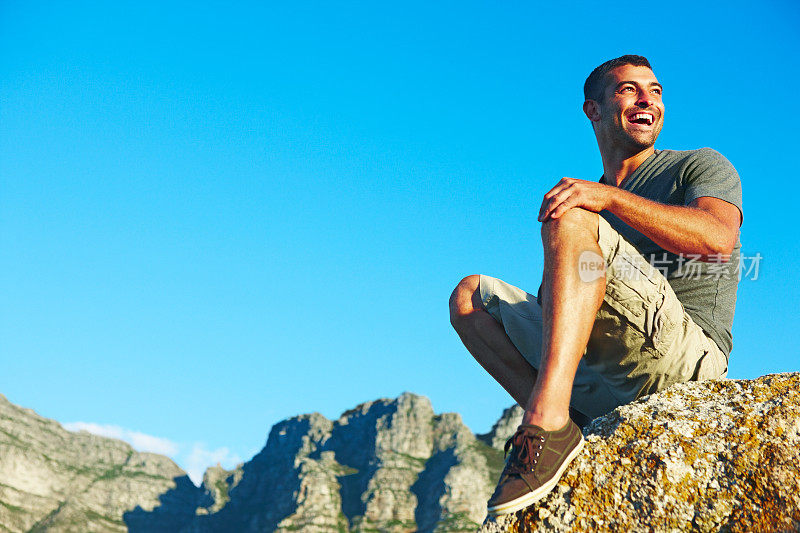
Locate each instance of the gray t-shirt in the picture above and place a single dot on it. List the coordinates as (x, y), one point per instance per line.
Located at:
(707, 290)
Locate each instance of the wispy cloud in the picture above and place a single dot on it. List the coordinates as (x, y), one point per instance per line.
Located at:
(194, 458)
(141, 441)
(200, 458)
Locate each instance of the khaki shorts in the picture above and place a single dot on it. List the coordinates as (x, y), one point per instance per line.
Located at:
(642, 340)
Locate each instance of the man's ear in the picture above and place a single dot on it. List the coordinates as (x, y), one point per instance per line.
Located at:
(592, 110)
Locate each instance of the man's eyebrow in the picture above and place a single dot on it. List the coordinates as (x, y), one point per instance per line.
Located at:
(625, 82)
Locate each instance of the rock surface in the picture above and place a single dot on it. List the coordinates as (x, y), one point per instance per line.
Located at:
(55, 480)
(389, 465)
(503, 428)
(710, 456)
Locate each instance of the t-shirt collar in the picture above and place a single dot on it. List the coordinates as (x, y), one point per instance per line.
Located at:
(629, 179)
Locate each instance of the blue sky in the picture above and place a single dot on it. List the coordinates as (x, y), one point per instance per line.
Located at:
(216, 216)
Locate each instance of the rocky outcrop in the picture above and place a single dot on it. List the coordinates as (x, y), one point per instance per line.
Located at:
(503, 428)
(55, 480)
(710, 456)
(389, 465)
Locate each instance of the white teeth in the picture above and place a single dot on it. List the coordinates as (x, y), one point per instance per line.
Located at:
(644, 116)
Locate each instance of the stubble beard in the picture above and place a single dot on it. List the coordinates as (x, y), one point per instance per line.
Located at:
(638, 141)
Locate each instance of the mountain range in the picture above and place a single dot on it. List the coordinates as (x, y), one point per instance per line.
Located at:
(719, 455)
(388, 465)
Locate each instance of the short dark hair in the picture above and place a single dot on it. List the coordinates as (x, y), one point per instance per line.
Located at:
(593, 88)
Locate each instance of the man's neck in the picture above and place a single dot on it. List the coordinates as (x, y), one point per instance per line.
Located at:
(618, 166)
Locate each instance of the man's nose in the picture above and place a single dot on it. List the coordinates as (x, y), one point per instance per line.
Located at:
(645, 100)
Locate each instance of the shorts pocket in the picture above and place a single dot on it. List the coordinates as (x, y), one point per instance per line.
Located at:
(626, 302)
(648, 311)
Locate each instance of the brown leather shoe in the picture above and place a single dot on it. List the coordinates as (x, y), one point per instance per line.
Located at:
(538, 459)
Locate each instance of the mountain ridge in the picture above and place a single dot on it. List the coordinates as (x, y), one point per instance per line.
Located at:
(708, 456)
(389, 464)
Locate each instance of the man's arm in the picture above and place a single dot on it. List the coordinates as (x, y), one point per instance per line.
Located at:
(706, 227)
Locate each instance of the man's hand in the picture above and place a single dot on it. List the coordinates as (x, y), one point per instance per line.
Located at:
(708, 227)
(569, 193)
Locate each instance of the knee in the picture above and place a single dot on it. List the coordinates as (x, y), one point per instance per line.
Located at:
(465, 300)
(573, 222)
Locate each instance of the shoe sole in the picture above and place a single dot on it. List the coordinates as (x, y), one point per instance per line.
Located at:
(534, 496)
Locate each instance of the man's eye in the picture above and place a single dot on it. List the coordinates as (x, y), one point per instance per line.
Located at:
(626, 89)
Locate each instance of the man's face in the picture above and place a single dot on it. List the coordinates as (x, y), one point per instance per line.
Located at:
(631, 112)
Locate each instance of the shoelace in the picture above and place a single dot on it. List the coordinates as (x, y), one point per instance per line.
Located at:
(525, 452)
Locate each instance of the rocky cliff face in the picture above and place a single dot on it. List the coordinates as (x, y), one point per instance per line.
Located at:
(389, 465)
(54, 480)
(710, 456)
(503, 428)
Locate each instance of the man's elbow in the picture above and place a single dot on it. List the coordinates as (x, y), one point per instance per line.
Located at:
(720, 249)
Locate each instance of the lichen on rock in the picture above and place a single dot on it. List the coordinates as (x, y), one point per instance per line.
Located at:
(702, 456)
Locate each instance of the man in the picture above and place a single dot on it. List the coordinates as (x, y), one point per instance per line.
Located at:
(638, 292)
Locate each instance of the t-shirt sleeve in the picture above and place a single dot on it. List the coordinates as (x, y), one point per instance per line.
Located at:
(709, 173)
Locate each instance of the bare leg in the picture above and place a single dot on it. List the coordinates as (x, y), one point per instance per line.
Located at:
(488, 342)
(569, 306)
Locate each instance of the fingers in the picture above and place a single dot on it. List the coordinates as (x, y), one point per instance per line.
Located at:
(563, 182)
(557, 196)
(558, 207)
(560, 186)
(569, 193)
(564, 206)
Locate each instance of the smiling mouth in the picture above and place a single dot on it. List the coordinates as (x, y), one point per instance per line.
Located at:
(645, 119)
